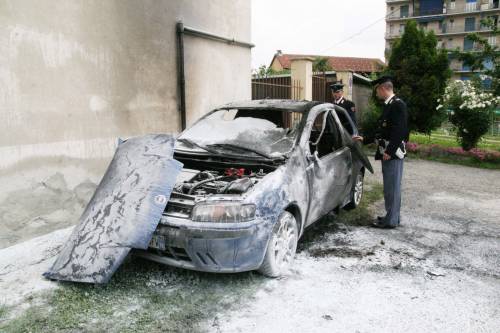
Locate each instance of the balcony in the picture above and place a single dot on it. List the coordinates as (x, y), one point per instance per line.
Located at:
(450, 30)
(462, 29)
(467, 8)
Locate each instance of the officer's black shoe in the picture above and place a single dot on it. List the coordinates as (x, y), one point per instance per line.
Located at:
(379, 225)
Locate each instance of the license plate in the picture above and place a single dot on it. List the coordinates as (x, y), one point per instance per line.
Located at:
(158, 242)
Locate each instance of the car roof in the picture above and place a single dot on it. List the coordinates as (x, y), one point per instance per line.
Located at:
(273, 104)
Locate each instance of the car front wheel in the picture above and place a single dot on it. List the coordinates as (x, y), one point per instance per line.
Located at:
(282, 246)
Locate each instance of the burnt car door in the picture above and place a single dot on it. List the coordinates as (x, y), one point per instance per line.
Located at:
(349, 130)
(329, 168)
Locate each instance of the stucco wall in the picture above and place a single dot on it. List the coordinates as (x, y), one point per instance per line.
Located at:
(75, 75)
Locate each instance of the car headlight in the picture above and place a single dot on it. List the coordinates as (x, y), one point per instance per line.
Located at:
(223, 212)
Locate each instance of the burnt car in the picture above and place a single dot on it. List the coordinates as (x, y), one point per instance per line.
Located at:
(255, 175)
(234, 192)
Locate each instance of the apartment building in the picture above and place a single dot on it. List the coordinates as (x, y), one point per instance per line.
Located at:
(451, 21)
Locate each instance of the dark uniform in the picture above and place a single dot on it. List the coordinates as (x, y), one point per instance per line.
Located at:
(349, 106)
(343, 102)
(392, 128)
(392, 135)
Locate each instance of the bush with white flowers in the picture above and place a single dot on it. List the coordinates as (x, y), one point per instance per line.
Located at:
(470, 110)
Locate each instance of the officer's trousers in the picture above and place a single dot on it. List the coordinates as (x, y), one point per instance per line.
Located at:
(392, 171)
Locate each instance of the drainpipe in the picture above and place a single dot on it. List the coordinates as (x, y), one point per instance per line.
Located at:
(182, 30)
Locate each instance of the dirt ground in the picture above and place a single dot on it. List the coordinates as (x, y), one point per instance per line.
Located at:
(440, 271)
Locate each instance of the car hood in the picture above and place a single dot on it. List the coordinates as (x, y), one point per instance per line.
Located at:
(123, 212)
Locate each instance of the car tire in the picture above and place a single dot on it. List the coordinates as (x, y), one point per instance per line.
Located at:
(282, 246)
(356, 192)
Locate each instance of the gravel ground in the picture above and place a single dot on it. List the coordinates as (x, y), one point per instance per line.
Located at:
(439, 271)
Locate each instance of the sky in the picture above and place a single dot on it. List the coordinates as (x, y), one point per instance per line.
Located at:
(317, 27)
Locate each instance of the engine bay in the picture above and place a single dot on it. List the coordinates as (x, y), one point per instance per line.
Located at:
(207, 182)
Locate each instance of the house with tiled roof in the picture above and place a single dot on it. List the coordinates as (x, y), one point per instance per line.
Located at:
(364, 66)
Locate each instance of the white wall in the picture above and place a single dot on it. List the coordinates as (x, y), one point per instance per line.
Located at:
(75, 75)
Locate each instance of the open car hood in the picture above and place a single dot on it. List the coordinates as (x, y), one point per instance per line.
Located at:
(123, 212)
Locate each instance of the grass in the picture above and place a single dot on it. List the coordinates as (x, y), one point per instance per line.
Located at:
(141, 297)
(465, 161)
(361, 216)
(449, 141)
(4, 311)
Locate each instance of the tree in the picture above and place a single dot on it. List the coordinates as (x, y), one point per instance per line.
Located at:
(420, 72)
(265, 71)
(485, 57)
(320, 64)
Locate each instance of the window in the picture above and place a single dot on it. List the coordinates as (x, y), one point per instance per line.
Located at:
(325, 136)
(471, 5)
(488, 64)
(468, 44)
(470, 23)
(487, 83)
(452, 4)
(403, 11)
(492, 40)
(401, 28)
(494, 18)
(275, 131)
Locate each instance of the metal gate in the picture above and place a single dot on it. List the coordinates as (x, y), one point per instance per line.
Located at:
(275, 87)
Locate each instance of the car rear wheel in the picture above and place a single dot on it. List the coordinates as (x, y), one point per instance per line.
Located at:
(282, 246)
(356, 192)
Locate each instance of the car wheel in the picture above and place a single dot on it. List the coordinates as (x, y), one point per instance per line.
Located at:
(282, 246)
(356, 192)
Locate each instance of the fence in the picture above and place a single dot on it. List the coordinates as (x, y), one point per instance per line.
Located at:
(321, 88)
(282, 87)
(275, 87)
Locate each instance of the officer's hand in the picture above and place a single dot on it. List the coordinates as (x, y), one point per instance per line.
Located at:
(357, 138)
(387, 157)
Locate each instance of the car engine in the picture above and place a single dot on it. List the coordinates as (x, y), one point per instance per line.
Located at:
(207, 182)
(193, 185)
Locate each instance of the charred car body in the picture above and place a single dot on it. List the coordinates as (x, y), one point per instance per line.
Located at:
(232, 193)
(255, 175)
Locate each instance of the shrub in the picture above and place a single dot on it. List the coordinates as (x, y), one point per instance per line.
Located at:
(470, 111)
(369, 123)
(453, 153)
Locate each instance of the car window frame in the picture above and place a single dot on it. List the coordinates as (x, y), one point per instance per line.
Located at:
(348, 117)
(335, 123)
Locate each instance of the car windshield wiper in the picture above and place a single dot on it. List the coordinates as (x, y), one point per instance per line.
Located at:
(236, 148)
(194, 144)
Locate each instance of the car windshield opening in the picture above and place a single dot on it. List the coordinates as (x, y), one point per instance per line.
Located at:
(256, 132)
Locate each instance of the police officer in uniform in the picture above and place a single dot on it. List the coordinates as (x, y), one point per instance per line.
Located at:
(340, 100)
(392, 135)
